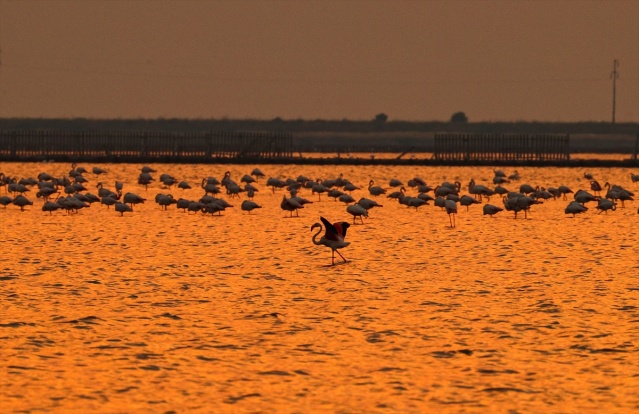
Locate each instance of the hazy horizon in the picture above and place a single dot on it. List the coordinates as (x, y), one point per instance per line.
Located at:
(496, 61)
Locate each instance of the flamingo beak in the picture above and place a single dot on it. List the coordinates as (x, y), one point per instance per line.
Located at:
(314, 225)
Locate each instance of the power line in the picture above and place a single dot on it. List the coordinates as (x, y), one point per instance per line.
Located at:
(614, 75)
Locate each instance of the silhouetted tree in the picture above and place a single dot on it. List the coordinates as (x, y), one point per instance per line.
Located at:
(459, 118)
(380, 121)
(381, 118)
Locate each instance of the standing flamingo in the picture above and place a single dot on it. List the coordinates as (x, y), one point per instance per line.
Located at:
(333, 238)
(451, 209)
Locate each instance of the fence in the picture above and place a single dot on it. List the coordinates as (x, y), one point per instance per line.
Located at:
(132, 145)
(501, 147)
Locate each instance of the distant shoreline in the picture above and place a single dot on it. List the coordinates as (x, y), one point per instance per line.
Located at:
(347, 136)
(334, 160)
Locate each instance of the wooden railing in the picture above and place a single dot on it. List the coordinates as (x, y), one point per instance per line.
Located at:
(108, 145)
(501, 147)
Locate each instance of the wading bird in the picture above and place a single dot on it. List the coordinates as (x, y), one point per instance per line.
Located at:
(333, 237)
(451, 209)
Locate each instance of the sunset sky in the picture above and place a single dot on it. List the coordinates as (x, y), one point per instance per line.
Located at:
(413, 60)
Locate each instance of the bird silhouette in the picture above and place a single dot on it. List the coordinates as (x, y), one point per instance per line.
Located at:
(356, 210)
(333, 237)
(292, 205)
(249, 206)
(122, 208)
(451, 209)
(575, 208)
(491, 210)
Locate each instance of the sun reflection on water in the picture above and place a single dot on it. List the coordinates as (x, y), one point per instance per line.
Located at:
(170, 311)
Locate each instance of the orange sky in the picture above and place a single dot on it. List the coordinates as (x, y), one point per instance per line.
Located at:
(413, 60)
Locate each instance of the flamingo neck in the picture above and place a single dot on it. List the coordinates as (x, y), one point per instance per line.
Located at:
(317, 234)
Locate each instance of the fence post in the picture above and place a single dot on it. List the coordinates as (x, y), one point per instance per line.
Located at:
(13, 144)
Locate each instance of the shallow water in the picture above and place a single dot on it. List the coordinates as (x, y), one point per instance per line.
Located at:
(164, 311)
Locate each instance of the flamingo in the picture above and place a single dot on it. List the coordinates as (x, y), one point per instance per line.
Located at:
(479, 190)
(145, 179)
(257, 173)
(446, 189)
(165, 200)
(584, 197)
(467, 200)
(275, 183)
(247, 179)
(526, 189)
(350, 187)
(491, 210)
(451, 209)
(109, 201)
(50, 206)
(575, 207)
(21, 201)
(346, 198)
(368, 203)
(46, 192)
(5, 201)
(397, 194)
(122, 208)
(375, 190)
(357, 211)
(292, 205)
(564, 190)
(416, 202)
(334, 193)
(333, 237)
(595, 187)
(209, 185)
(183, 204)
(518, 202)
(501, 190)
(97, 171)
(4, 181)
(249, 206)
(319, 188)
(604, 205)
(418, 181)
(80, 170)
(168, 180)
(131, 198)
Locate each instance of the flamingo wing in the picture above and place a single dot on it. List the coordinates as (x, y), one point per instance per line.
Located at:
(331, 232)
(341, 228)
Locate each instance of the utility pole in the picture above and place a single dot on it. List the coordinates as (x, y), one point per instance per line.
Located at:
(614, 75)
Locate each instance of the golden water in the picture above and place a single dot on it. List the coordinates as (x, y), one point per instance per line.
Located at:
(165, 311)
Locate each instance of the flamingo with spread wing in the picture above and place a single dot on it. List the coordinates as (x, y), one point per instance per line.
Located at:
(333, 237)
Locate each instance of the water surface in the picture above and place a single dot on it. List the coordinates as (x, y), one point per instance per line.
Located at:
(165, 311)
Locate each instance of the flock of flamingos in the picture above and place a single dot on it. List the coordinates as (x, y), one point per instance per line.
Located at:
(70, 193)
